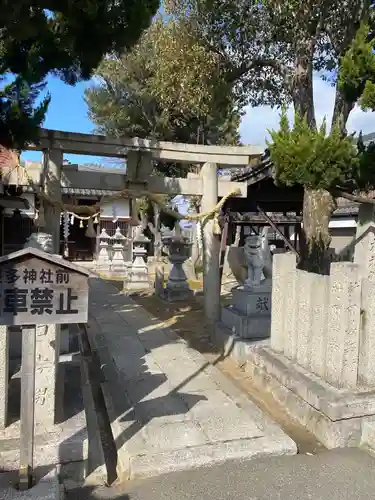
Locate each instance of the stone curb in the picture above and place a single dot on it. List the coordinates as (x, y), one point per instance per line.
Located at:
(205, 456)
(109, 372)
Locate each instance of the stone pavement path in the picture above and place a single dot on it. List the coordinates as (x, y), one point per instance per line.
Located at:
(331, 475)
(169, 408)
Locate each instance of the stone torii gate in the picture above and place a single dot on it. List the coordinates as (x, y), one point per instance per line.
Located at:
(139, 154)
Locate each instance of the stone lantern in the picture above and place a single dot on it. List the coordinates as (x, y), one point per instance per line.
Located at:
(118, 259)
(137, 275)
(104, 261)
(177, 287)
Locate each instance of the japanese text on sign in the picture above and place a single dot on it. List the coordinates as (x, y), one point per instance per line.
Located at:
(29, 290)
(43, 276)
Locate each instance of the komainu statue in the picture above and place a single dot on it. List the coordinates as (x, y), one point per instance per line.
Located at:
(258, 257)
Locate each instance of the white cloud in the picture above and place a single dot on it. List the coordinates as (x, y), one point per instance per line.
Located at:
(257, 121)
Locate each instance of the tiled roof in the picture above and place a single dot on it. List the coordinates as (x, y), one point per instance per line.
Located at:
(263, 170)
(256, 172)
(76, 191)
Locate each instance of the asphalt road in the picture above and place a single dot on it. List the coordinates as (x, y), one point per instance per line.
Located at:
(331, 475)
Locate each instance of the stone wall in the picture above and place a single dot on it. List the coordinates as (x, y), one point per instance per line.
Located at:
(324, 323)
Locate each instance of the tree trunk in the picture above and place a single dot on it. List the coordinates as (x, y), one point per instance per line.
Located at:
(302, 85)
(341, 111)
(318, 205)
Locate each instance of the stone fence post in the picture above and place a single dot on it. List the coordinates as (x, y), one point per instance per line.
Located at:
(364, 254)
(320, 288)
(344, 325)
(366, 368)
(283, 269)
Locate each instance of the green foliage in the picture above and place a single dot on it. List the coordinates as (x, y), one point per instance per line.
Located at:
(364, 174)
(357, 69)
(309, 157)
(269, 50)
(19, 116)
(67, 38)
(367, 101)
(265, 46)
(139, 95)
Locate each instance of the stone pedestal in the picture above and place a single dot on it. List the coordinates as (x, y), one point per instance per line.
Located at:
(249, 315)
(177, 287)
(137, 275)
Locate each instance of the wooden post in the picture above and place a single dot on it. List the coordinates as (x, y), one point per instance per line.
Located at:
(275, 228)
(27, 407)
(4, 375)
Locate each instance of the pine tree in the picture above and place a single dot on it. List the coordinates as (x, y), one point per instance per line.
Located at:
(67, 38)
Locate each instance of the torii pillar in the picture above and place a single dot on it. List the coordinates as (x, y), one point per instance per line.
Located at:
(49, 336)
(211, 246)
(53, 160)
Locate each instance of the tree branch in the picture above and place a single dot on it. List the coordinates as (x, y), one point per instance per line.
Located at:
(245, 67)
(353, 197)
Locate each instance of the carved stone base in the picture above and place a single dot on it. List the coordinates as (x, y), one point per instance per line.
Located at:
(337, 417)
(178, 292)
(249, 316)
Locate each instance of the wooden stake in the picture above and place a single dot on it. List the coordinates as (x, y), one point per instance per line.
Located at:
(275, 228)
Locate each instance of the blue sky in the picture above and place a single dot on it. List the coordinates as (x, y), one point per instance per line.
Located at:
(68, 112)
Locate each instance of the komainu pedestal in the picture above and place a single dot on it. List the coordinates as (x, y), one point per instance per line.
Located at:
(249, 315)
